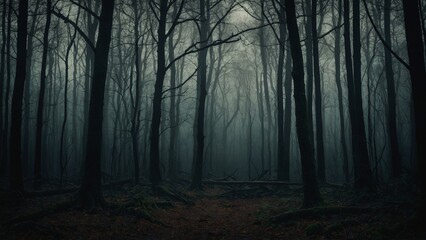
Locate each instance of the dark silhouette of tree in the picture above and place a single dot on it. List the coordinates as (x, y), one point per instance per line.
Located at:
(40, 106)
(363, 178)
(318, 96)
(16, 179)
(90, 194)
(418, 84)
(310, 186)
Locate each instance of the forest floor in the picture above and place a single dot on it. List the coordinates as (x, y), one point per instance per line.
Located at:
(254, 212)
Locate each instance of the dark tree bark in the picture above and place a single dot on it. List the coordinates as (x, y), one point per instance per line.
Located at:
(172, 112)
(6, 131)
(3, 159)
(318, 97)
(264, 60)
(90, 195)
(309, 66)
(198, 158)
(418, 84)
(27, 90)
(362, 172)
(135, 129)
(16, 179)
(40, 106)
(154, 166)
(395, 154)
(287, 115)
(310, 186)
(282, 171)
(337, 40)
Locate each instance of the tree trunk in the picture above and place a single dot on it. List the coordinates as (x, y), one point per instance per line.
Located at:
(90, 195)
(40, 106)
(310, 187)
(198, 158)
(337, 40)
(418, 85)
(363, 174)
(287, 116)
(154, 166)
(137, 103)
(16, 179)
(281, 165)
(318, 97)
(395, 154)
(3, 159)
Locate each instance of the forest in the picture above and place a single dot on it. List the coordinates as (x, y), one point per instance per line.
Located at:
(212, 119)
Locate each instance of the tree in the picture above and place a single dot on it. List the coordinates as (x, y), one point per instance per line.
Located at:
(198, 158)
(363, 176)
(318, 96)
(16, 179)
(310, 186)
(90, 194)
(282, 166)
(40, 106)
(391, 118)
(418, 84)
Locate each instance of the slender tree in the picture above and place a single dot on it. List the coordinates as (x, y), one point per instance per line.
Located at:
(16, 179)
(40, 106)
(310, 186)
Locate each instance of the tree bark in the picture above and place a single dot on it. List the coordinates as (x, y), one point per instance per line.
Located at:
(318, 97)
(418, 85)
(40, 106)
(395, 154)
(16, 179)
(90, 195)
(310, 186)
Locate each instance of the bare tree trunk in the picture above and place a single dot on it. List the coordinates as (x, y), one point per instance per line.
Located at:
(281, 165)
(396, 156)
(318, 97)
(198, 158)
(310, 186)
(16, 179)
(3, 105)
(287, 116)
(363, 174)
(337, 40)
(418, 85)
(155, 172)
(40, 106)
(90, 195)
(135, 129)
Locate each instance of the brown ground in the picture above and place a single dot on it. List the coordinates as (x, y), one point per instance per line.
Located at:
(214, 215)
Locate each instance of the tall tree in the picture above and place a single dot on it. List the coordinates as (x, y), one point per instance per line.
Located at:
(337, 40)
(282, 167)
(363, 178)
(391, 118)
(198, 158)
(40, 106)
(318, 96)
(418, 84)
(136, 111)
(3, 160)
(16, 179)
(90, 195)
(310, 186)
